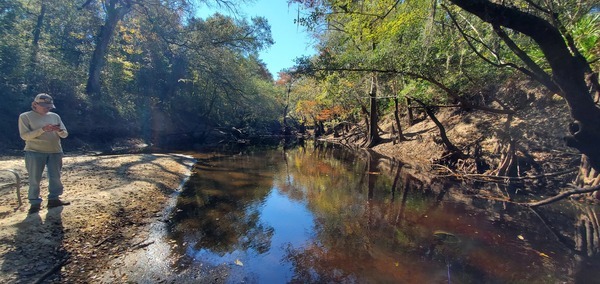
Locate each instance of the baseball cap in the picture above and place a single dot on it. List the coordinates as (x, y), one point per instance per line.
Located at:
(44, 100)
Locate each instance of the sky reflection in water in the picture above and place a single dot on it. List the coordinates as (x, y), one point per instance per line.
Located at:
(292, 224)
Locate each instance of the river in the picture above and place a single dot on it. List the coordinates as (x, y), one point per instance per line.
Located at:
(326, 215)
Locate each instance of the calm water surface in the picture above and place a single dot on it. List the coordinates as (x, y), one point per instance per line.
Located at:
(312, 215)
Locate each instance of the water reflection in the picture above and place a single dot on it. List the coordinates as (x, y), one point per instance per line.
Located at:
(314, 215)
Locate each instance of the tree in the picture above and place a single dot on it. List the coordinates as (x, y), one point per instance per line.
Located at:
(161, 73)
(115, 11)
(571, 77)
(221, 83)
(286, 81)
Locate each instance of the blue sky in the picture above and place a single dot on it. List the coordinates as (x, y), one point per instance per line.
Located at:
(291, 41)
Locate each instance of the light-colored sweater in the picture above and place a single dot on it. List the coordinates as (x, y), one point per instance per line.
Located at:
(38, 140)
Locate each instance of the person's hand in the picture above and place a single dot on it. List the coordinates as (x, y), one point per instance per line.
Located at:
(51, 127)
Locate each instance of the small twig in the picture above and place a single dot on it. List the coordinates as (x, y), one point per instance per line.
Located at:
(102, 241)
(141, 245)
(53, 270)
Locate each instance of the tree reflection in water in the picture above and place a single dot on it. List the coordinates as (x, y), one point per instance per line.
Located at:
(316, 215)
(221, 213)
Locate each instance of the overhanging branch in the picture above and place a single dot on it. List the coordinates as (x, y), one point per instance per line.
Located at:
(450, 92)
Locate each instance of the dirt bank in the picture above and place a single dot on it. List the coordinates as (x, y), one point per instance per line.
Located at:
(115, 200)
(533, 135)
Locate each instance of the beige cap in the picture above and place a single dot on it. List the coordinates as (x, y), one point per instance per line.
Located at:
(44, 100)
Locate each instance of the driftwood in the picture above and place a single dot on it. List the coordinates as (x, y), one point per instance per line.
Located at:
(102, 241)
(511, 179)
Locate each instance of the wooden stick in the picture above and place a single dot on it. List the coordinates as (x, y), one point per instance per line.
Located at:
(562, 195)
(53, 270)
(141, 245)
(494, 178)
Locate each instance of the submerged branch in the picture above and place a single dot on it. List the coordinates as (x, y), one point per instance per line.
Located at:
(501, 179)
(575, 191)
(562, 195)
(490, 178)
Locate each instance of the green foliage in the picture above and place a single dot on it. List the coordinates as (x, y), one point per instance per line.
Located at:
(586, 33)
(439, 52)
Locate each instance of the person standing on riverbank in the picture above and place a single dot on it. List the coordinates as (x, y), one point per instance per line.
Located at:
(42, 131)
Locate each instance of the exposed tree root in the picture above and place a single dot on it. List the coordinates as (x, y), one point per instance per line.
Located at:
(575, 190)
(499, 179)
(587, 176)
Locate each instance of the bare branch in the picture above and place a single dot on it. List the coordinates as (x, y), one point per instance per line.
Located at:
(390, 9)
(538, 73)
(562, 195)
(480, 55)
(85, 4)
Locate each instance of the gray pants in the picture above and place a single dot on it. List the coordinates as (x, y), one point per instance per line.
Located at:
(35, 163)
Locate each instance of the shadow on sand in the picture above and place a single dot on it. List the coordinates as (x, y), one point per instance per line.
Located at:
(36, 253)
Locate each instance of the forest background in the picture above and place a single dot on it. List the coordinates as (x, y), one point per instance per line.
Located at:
(149, 70)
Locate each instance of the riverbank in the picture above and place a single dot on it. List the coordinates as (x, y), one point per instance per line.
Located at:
(526, 144)
(115, 200)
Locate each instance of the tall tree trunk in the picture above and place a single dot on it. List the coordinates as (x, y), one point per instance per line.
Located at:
(397, 118)
(374, 137)
(411, 117)
(115, 11)
(35, 44)
(366, 118)
(286, 129)
(35, 76)
(178, 71)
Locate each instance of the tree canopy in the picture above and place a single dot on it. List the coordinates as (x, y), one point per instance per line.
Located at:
(150, 69)
(454, 49)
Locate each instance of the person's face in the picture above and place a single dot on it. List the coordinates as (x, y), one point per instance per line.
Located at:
(42, 109)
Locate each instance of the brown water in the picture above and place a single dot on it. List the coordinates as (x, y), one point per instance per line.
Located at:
(312, 215)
